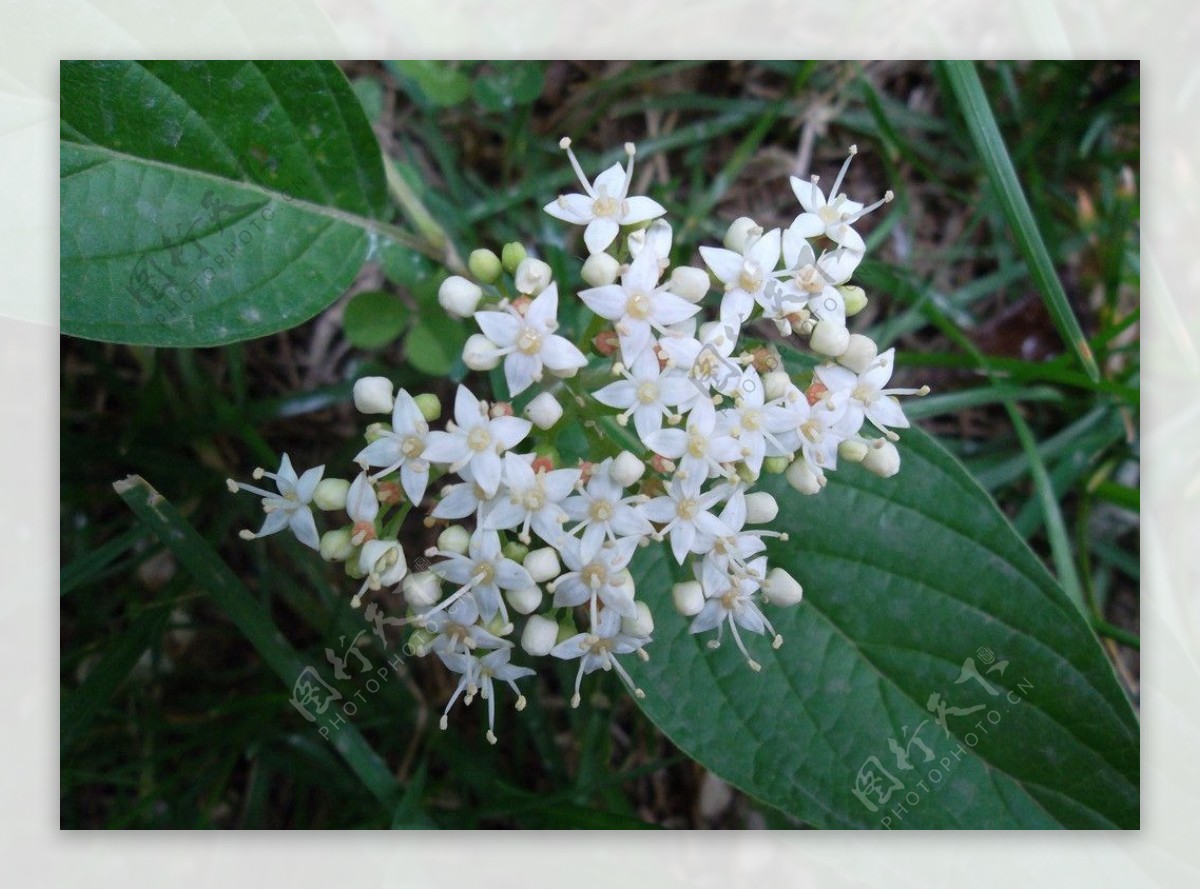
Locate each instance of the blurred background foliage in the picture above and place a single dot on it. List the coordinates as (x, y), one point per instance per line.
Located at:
(170, 719)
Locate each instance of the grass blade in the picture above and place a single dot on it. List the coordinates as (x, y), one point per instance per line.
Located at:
(216, 579)
(964, 81)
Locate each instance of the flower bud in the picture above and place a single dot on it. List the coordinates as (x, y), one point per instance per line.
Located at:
(782, 589)
(480, 353)
(511, 255)
(429, 405)
(688, 597)
(458, 296)
(544, 411)
(330, 494)
(373, 395)
(761, 507)
(336, 546)
(690, 283)
(775, 384)
(739, 231)
(514, 550)
(422, 589)
(775, 465)
(540, 635)
(882, 458)
(542, 564)
(801, 477)
(454, 539)
(830, 338)
(484, 265)
(374, 432)
(524, 600)
(601, 269)
(418, 640)
(852, 450)
(859, 353)
(640, 626)
(532, 276)
(627, 469)
(855, 297)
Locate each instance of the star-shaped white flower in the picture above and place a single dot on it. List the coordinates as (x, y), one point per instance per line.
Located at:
(817, 428)
(745, 275)
(599, 577)
(531, 500)
(648, 392)
(402, 448)
(730, 600)
(597, 649)
(528, 342)
(756, 424)
(866, 396)
(638, 306)
(606, 206)
(472, 445)
(457, 629)
(478, 675)
(603, 513)
(482, 572)
(289, 506)
(702, 447)
(685, 512)
(834, 217)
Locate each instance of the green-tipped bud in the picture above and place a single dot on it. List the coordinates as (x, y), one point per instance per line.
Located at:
(852, 450)
(855, 297)
(775, 465)
(745, 473)
(511, 255)
(330, 494)
(336, 546)
(515, 550)
(375, 431)
(484, 265)
(429, 405)
(418, 640)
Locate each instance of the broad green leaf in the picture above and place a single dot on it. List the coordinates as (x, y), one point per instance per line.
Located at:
(209, 202)
(374, 319)
(434, 343)
(503, 86)
(438, 83)
(915, 587)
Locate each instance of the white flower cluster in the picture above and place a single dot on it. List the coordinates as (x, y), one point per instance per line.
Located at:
(554, 544)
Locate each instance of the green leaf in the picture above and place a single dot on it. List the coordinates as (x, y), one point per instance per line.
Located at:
(438, 83)
(964, 81)
(209, 202)
(503, 86)
(374, 319)
(216, 579)
(434, 343)
(906, 579)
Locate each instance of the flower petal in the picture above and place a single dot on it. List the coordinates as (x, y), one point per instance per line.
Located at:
(600, 233)
(575, 208)
(499, 327)
(639, 209)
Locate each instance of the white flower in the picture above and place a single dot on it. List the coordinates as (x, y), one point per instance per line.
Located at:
(745, 275)
(705, 360)
(362, 506)
(402, 448)
(834, 217)
(457, 629)
(599, 576)
(866, 394)
(528, 343)
(733, 552)
(472, 445)
(702, 448)
(729, 600)
(606, 206)
(531, 500)
(638, 306)
(818, 428)
(685, 512)
(383, 564)
(648, 393)
(460, 501)
(289, 506)
(597, 648)
(758, 425)
(602, 512)
(482, 572)
(479, 674)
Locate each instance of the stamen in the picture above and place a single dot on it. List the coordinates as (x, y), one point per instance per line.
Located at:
(630, 150)
(565, 145)
(837, 183)
(887, 198)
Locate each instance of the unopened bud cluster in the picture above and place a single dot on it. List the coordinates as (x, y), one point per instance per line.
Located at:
(537, 555)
